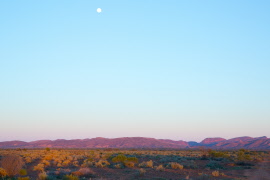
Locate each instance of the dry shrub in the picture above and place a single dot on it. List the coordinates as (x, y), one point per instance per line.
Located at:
(142, 172)
(48, 157)
(231, 164)
(160, 168)
(102, 163)
(86, 163)
(215, 173)
(75, 163)
(66, 163)
(147, 164)
(129, 164)
(39, 167)
(12, 164)
(42, 176)
(175, 165)
(77, 173)
(3, 172)
(118, 166)
(46, 163)
(23, 178)
(28, 159)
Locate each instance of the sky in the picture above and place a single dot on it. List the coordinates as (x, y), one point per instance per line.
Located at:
(181, 70)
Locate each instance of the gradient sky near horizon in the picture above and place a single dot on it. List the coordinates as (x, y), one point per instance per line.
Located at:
(183, 70)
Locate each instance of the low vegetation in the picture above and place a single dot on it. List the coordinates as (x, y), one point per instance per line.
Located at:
(77, 164)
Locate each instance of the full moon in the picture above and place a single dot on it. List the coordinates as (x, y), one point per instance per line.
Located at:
(99, 10)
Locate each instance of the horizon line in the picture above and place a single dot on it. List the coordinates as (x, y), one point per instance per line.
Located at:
(129, 137)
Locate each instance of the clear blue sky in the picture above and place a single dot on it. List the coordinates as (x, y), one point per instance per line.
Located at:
(164, 69)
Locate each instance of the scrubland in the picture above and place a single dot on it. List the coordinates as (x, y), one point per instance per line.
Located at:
(75, 164)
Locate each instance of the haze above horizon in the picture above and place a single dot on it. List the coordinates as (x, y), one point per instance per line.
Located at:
(181, 70)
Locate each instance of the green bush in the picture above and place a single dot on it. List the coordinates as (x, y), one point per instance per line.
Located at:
(23, 172)
(243, 155)
(218, 154)
(70, 177)
(120, 158)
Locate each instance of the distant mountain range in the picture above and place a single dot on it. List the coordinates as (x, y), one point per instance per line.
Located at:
(259, 143)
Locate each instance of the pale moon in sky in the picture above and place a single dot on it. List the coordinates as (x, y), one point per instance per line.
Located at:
(99, 10)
